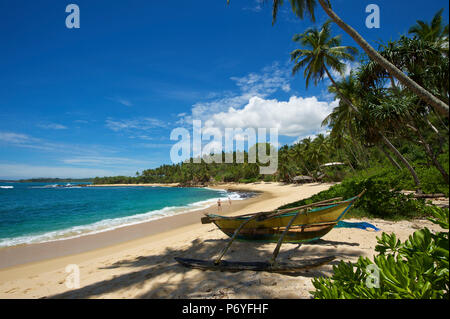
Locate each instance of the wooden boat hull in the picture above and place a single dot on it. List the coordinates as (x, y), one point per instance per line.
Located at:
(307, 226)
(296, 234)
(233, 266)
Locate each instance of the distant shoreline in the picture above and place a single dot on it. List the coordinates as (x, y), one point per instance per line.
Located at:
(49, 180)
(141, 185)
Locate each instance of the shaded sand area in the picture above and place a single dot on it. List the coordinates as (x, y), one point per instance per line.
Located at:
(145, 267)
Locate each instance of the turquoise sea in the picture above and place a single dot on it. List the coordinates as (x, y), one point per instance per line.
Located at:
(39, 212)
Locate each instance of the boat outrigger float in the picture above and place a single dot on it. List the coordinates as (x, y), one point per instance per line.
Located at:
(293, 225)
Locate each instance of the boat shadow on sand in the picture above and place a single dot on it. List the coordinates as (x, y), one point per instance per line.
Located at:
(160, 276)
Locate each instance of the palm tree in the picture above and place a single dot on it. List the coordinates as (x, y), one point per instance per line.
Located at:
(341, 119)
(320, 147)
(375, 126)
(372, 132)
(433, 32)
(323, 52)
(398, 114)
(284, 167)
(298, 153)
(301, 6)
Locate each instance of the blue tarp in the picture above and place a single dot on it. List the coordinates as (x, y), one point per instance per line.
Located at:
(360, 225)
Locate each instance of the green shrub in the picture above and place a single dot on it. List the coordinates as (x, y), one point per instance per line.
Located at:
(248, 180)
(379, 201)
(417, 268)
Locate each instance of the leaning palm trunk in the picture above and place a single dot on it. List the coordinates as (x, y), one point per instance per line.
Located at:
(385, 140)
(393, 161)
(426, 96)
(404, 161)
(342, 96)
(309, 172)
(429, 152)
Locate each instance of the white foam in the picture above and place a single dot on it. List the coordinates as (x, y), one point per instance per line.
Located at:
(6, 187)
(114, 223)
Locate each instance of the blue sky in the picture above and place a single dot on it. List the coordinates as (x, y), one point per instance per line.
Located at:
(103, 99)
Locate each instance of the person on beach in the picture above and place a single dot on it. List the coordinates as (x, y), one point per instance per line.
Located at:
(219, 206)
(229, 200)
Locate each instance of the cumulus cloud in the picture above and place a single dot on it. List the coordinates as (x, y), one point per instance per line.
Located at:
(252, 107)
(262, 84)
(296, 117)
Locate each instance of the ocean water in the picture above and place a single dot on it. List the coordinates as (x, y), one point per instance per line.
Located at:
(40, 212)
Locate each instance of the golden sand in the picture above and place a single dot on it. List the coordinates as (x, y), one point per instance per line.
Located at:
(143, 266)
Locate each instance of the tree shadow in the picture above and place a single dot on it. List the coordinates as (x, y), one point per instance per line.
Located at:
(160, 276)
(323, 242)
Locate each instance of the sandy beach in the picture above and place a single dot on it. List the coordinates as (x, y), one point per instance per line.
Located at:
(138, 261)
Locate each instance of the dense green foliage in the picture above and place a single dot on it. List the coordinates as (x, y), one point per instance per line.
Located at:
(416, 268)
(382, 198)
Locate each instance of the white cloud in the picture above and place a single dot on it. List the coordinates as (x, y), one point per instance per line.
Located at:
(256, 7)
(26, 141)
(15, 138)
(81, 121)
(268, 81)
(125, 102)
(262, 84)
(101, 161)
(154, 145)
(134, 124)
(296, 117)
(52, 126)
(120, 100)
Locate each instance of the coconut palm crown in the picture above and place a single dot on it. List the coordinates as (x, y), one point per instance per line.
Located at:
(321, 53)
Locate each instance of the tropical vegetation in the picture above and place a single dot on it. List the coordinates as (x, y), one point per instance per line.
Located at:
(415, 269)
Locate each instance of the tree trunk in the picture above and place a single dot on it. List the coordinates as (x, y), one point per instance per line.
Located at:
(342, 96)
(389, 157)
(430, 154)
(426, 96)
(309, 172)
(404, 161)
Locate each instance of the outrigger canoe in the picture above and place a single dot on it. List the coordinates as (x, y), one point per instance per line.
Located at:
(311, 224)
(293, 225)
